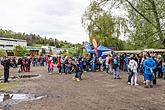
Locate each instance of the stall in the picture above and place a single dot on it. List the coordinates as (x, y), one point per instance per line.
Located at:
(102, 49)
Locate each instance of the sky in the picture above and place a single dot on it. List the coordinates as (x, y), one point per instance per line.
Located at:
(59, 19)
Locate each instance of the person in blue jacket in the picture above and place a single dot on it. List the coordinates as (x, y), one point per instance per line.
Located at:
(149, 67)
(94, 63)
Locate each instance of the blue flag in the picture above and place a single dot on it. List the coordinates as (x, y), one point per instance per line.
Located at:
(87, 45)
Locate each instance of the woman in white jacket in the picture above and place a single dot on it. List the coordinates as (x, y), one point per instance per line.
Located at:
(133, 67)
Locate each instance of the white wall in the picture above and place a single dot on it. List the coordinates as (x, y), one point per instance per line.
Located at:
(11, 44)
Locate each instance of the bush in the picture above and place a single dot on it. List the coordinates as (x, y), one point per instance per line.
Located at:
(3, 53)
(19, 51)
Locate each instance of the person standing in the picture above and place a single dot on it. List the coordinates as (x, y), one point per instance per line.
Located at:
(69, 65)
(6, 64)
(110, 63)
(84, 64)
(159, 66)
(116, 68)
(126, 62)
(26, 64)
(19, 64)
(100, 64)
(94, 63)
(149, 66)
(59, 66)
(63, 64)
(51, 67)
(78, 74)
(23, 64)
(133, 71)
(107, 64)
(29, 63)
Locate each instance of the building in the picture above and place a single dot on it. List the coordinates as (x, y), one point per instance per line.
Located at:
(49, 49)
(9, 43)
(34, 50)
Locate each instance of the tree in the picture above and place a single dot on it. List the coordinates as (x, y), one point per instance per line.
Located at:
(146, 21)
(3, 53)
(19, 51)
(102, 26)
(35, 40)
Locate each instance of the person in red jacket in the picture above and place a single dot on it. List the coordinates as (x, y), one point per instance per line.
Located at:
(59, 64)
(110, 63)
(51, 67)
(49, 61)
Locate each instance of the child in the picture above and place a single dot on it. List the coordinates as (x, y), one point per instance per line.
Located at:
(78, 72)
(51, 67)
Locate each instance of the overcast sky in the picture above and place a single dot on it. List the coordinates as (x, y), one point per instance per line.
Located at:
(52, 18)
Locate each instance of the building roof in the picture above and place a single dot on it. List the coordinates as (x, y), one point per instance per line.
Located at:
(11, 39)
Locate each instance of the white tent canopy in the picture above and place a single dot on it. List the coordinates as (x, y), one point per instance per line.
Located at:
(106, 53)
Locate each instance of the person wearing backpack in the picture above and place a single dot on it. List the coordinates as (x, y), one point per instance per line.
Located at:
(115, 67)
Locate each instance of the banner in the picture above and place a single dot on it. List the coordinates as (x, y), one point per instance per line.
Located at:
(94, 42)
(87, 45)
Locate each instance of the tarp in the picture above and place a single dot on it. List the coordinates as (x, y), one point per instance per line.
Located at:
(102, 49)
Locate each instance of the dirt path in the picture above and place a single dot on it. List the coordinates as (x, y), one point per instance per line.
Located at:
(98, 91)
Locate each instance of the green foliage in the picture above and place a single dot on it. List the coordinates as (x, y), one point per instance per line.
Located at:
(3, 53)
(102, 26)
(20, 51)
(85, 53)
(74, 51)
(146, 33)
(36, 40)
(145, 19)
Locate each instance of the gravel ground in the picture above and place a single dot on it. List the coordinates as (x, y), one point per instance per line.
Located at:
(97, 91)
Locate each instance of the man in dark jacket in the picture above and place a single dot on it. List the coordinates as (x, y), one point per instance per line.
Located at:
(159, 66)
(6, 64)
(29, 63)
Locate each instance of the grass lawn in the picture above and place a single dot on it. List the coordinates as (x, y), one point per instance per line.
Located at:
(1, 72)
(7, 86)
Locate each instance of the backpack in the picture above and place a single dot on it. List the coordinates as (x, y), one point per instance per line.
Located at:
(115, 61)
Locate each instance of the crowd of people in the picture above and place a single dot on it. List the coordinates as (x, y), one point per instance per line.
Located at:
(23, 64)
(150, 66)
(113, 64)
